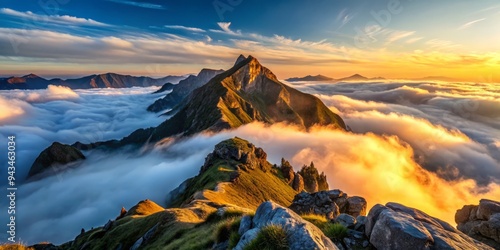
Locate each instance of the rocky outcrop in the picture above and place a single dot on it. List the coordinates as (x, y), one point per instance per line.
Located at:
(313, 180)
(239, 150)
(145, 238)
(298, 182)
(395, 226)
(308, 178)
(301, 233)
(287, 171)
(356, 206)
(55, 156)
(234, 168)
(328, 203)
(481, 222)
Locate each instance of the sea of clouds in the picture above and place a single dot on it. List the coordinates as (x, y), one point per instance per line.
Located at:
(434, 146)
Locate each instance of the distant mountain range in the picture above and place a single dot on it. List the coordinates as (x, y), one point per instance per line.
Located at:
(358, 77)
(108, 80)
(309, 78)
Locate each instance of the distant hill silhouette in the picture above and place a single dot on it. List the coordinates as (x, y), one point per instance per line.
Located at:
(108, 80)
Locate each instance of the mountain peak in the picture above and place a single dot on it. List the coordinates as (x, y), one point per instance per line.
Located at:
(250, 74)
(31, 75)
(240, 59)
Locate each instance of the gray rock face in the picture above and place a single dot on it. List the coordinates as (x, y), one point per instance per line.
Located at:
(360, 223)
(395, 230)
(487, 208)
(298, 182)
(395, 226)
(144, 239)
(346, 220)
(356, 206)
(481, 222)
(328, 203)
(302, 234)
(245, 224)
(108, 225)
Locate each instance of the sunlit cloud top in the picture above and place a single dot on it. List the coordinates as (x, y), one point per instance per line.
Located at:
(393, 39)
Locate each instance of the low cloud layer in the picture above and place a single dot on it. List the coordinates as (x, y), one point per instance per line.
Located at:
(452, 127)
(40, 117)
(411, 145)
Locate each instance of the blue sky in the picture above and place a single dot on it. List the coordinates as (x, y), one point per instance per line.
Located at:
(392, 38)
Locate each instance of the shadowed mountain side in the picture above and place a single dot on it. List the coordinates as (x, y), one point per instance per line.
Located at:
(53, 157)
(183, 89)
(166, 87)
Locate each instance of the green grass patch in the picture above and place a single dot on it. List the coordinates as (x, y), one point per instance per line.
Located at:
(225, 229)
(219, 172)
(271, 237)
(335, 231)
(319, 221)
(234, 238)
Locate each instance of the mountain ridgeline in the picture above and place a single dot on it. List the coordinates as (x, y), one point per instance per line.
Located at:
(183, 89)
(246, 93)
(108, 80)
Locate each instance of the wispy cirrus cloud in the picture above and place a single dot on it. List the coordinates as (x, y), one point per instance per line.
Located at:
(414, 40)
(225, 29)
(398, 35)
(344, 17)
(54, 19)
(442, 44)
(140, 4)
(471, 23)
(186, 28)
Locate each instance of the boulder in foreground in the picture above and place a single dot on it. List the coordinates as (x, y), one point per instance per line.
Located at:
(395, 226)
(481, 222)
(302, 234)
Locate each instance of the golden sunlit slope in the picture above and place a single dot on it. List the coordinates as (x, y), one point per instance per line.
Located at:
(236, 178)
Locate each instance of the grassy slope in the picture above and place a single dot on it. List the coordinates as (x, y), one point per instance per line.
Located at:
(188, 227)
